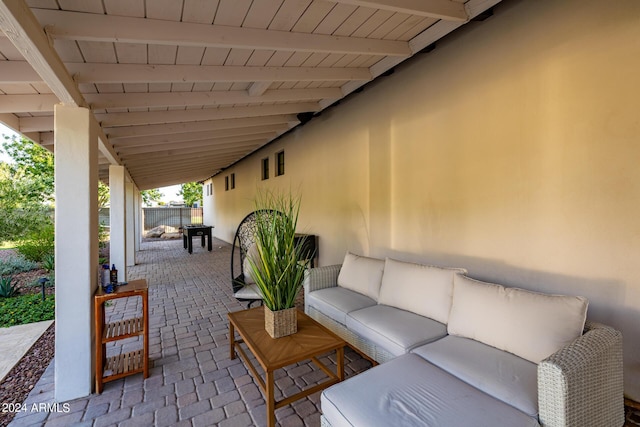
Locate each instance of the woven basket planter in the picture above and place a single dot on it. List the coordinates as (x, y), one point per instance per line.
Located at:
(280, 323)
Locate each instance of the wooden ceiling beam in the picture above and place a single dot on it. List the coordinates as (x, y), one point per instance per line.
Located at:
(177, 138)
(185, 99)
(177, 116)
(237, 142)
(168, 165)
(156, 183)
(109, 28)
(29, 103)
(147, 73)
(439, 9)
(189, 153)
(11, 121)
(19, 24)
(14, 72)
(36, 124)
(121, 134)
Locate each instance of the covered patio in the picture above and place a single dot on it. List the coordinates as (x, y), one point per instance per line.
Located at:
(497, 136)
(192, 382)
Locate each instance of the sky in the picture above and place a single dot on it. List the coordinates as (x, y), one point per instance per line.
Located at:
(5, 131)
(169, 193)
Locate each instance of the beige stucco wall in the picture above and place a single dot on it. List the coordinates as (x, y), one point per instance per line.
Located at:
(512, 150)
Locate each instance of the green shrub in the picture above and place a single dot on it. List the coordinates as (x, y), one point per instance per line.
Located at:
(49, 262)
(39, 245)
(7, 288)
(26, 309)
(16, 265)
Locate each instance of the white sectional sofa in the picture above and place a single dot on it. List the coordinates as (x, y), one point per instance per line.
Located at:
(459, 352)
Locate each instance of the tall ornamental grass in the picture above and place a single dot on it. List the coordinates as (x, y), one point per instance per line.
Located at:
(277, 263)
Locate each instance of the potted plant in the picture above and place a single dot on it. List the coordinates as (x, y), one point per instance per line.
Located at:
(276, 262)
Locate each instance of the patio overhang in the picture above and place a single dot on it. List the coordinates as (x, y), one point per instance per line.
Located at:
(177, 75)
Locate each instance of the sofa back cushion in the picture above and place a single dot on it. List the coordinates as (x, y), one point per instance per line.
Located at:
(422, 289)
(361, 274)
(528, 324)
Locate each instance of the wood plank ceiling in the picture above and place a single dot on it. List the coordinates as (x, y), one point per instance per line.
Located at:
(184, 88)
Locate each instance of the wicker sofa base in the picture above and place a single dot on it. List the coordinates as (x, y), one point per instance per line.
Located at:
(581, 385)
(361, 345)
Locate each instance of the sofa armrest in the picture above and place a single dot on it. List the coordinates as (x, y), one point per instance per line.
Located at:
(582, 383)
(320, 278)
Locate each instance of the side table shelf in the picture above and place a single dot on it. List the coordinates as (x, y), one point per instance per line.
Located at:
(122, 365)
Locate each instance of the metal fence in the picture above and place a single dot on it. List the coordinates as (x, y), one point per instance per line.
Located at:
(174, 217)
(153, 217)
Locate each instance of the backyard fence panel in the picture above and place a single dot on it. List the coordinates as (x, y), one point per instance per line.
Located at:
(172, 216)
(154, 216)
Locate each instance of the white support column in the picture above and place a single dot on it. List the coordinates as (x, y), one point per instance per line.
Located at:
(118, 214)
(76, 249)
(138, 225)
(130, 224)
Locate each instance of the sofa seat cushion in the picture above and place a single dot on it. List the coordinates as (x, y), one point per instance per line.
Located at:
(505, 376)
(422, 289)
(409, 391)
(528, 324)
(336, 302)
(397, 331)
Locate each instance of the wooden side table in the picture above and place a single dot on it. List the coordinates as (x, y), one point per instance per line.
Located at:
(122, 365)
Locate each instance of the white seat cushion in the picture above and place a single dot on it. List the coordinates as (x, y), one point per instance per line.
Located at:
(422, 289)
(528, 324)
(498, 373)
(337, 302)
(361, 274)
(246, 264)
(409, 391)
(397, 331)
(248, 292)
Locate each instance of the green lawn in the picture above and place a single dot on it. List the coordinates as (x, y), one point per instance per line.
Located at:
(26, 309)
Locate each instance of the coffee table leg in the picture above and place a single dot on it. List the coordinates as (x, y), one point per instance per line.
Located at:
(232, 341)
(340, 357)
(271, 403)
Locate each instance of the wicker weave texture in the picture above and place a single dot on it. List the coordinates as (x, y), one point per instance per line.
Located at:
(280, 323)
(324, 422)
(582, 384)
(321, 278)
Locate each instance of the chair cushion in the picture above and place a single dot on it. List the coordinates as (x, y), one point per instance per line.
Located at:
(503, 375)
(252, 253)
(422, 289)
(397, 331)
(409, 391)
(361, 274)
(336, 302)
(248, 292)
(528, 324)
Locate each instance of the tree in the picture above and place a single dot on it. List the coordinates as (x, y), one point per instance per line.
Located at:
(191, 193)
(149, 196)
(26, 190)
(103, 194)
(34, 165)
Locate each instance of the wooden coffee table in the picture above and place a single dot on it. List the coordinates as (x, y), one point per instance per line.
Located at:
(311, 340)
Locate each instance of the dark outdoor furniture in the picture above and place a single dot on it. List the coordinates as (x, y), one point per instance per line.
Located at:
(243, 240)
(191, 231)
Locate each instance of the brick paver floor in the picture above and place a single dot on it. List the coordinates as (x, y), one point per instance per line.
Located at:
(193, 382)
